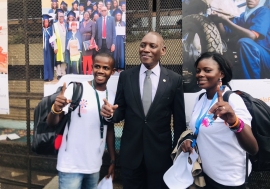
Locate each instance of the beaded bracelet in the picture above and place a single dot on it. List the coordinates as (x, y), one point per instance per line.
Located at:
(55, 112)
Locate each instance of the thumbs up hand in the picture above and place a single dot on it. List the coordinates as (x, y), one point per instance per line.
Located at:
(107, 109)
(61, 101)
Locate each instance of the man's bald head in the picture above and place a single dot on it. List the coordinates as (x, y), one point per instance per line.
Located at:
(158, 35)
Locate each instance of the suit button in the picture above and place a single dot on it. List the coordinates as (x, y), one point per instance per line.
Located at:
(145, 121)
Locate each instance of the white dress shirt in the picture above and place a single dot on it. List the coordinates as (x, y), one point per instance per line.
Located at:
(154, 79)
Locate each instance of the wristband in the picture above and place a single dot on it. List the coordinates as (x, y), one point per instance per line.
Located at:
(236, 123)
(242, 125)
(55, 112)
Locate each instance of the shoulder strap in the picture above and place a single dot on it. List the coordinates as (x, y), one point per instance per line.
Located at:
(200, 96)
(227, 95)
(76, 97)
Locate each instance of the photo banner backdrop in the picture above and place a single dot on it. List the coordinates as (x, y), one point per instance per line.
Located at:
(73, 33)
(205, 27)
(4, 98)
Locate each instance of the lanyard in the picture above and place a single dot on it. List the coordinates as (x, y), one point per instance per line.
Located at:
(201, 117)
(98, 103)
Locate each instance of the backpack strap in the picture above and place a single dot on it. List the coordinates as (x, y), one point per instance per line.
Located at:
(76, 98)
(200, 96)
(226, 99)
(227, 95)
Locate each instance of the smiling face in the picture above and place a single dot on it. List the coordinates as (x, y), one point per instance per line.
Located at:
(151, 49)
(103, 68)
(208, 74)
(118, 17)
(46, 23)
(86, 16)
(252, 3)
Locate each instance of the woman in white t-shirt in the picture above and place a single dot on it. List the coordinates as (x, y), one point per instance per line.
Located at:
(223, 128)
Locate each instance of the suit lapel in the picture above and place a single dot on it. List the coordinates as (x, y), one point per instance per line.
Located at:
(162, 86)
(134, 78)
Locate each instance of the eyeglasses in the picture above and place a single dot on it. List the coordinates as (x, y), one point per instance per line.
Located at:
(61, 16)
(103, 10)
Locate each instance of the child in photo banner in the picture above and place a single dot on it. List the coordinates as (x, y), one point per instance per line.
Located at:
(74, 49)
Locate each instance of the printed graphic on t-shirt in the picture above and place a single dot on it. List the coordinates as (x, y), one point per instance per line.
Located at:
(207, 120)
(83, 106)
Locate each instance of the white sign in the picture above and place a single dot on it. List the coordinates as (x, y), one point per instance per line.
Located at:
(120, 30)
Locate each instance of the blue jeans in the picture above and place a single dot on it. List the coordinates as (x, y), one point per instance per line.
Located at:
(78, 180)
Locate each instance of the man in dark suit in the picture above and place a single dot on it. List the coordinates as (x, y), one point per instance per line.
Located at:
(105, 32)
(146, 142)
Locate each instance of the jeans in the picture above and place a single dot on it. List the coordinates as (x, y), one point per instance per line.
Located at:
(78, 180)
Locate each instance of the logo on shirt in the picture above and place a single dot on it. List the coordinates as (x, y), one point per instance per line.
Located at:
(207, 120)
(83, 106)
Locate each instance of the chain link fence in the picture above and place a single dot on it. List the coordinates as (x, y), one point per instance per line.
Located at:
(20, 168)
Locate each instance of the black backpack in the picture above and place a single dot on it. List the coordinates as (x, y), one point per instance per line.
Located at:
(44, 136)
(260, 123)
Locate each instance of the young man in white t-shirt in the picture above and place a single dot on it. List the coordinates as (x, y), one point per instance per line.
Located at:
(80, 157)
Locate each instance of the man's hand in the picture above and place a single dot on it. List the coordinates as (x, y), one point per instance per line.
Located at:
(97, 48)
(61, 101)
(112, 47)
(107, 110)
(111, 171)
(55, 51)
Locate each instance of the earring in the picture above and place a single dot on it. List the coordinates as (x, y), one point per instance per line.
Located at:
(220, 80)
(197, 82)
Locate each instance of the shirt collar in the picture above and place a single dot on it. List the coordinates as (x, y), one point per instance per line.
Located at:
(155, 70)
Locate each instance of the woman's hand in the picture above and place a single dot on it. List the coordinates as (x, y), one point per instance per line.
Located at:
(223, 109)
(186, 146)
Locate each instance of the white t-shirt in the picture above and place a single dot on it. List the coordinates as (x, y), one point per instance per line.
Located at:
(83, 151)
(222, 157)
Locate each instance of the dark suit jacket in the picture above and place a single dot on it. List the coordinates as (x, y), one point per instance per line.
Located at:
(110, 31)
(149, 137)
